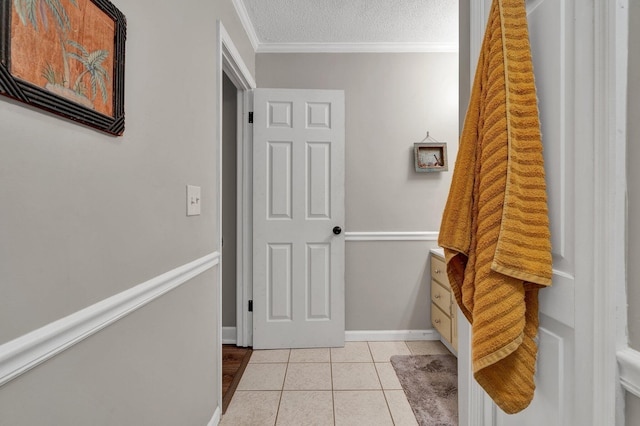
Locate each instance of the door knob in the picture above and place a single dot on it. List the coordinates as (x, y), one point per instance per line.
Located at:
(337, 230)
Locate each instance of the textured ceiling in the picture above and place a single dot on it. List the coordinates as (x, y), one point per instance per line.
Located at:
(411, 22)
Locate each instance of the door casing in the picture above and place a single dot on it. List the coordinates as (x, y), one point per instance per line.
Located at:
(229, 61)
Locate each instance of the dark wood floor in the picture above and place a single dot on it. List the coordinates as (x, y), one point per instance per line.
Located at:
(234, 361)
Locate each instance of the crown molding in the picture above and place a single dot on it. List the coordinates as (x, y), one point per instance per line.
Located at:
(389, 47)
(243, 14)
(361, 47)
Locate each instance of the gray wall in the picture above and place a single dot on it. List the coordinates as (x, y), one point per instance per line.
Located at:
(633, 159)
(86, 216)
(229, 208)
(632, 410)
(392, 100)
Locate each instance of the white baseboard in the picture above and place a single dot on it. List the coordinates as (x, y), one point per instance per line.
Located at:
(215, 420)
(26, 352)
(629, 362)
(229, 336)
(390, 335)
(448, 346)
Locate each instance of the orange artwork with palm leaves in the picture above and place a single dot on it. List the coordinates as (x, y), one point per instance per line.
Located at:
(65, 47)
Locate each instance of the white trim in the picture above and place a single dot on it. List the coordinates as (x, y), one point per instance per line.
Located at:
(390, 335)
(380, 47)
(28, 351)
(230, 62)
(478, 17)
(427, 47)
(471, 395)
(629, 363)
(220, 61)
(241, 224)
(217, 416)
(621, 50)
(448, 346)
(472, 403)
(243, 15)
(229, 336)
(609, 204)
(244, 287)
(391, 236)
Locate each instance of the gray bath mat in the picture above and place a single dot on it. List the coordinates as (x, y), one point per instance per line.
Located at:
(431, 385)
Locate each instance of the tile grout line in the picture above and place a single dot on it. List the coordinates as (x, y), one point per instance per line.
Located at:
(284, 379)
(333, 400)
(379, 381)
(384, 394)
(371, 353)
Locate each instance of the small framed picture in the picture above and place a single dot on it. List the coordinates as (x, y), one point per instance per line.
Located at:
(430, 157)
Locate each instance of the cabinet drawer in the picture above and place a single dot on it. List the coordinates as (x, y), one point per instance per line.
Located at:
(454, 327)
(439, 271)
(441, 296)
(441, 322)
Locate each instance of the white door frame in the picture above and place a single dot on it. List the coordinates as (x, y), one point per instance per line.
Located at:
(600, 301)
(229, 62)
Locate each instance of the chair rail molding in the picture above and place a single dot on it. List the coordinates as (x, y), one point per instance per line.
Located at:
(629, 363)
(32, 349)
(392, 236)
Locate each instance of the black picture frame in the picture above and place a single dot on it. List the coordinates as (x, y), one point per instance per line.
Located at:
(38, 97)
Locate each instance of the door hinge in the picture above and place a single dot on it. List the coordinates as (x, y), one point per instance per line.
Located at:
(251, 117)
(250, 305)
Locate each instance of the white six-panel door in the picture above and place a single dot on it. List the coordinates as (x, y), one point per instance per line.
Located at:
(298, 184)
(551, 32)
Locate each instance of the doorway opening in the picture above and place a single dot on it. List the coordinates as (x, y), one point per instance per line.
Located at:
(232, 74)
(229, 209)
(234, 358)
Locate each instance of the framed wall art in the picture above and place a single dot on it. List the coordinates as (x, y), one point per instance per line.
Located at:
(430, 156)
(65, 57)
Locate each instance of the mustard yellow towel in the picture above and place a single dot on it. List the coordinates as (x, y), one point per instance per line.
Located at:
(495, 228)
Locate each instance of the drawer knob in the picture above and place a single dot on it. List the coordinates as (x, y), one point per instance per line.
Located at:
(437, 321)
(437, 271)
(437, 297)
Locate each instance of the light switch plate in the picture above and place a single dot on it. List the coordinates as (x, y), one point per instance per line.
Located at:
(193, 200)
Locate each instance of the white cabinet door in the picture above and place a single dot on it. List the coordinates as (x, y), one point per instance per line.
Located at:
(298, 184)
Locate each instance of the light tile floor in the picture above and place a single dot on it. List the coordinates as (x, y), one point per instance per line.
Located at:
(351, 386)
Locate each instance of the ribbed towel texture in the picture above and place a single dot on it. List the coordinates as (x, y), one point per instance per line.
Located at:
(495, 227)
